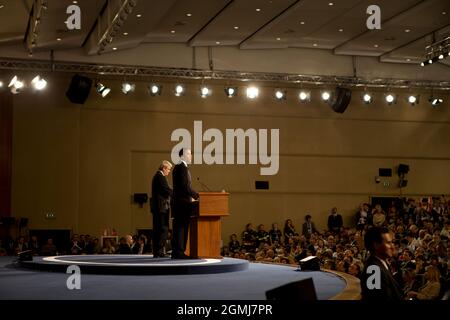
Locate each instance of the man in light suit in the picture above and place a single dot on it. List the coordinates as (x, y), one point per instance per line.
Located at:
(184, 204)
(378, 241)
(160, 207)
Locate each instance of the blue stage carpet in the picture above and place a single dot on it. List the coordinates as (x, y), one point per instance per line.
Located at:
(250, 284)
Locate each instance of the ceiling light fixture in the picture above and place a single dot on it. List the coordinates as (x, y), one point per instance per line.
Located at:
(390, 98)
(435, 101)
(179, 90)
(205, 92)
(102, 89)
(231, 91)
(413, 99)
(280, 94)
(128, 87)
(367, 98)
(39, 83)
(326, 95)
(252, 92)
(304, 96)
(155, 89)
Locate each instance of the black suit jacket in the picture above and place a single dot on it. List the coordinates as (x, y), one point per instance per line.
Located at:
(182, 189)
(389, 288)
(305, 228)
(161, 193)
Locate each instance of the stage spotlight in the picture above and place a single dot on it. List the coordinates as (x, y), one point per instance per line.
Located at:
(304, 96)
(155, 89)
(179, 90)
(128, 87)
(1, 84)
(16, 85)
(231, 92)
(280, 94)
(39, 83)
(413, 99)
(390, 98)
(435, 101)
(205, 92)
(367, 98)
(252, 92)
(326, 96)
(102, 89)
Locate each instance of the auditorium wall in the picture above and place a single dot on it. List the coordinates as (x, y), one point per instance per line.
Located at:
(83, 163)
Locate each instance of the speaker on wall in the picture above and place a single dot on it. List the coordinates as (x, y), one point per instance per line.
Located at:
(340, 99)
(79, 89)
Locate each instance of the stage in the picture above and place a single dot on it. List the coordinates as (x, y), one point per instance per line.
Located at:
(18, 283)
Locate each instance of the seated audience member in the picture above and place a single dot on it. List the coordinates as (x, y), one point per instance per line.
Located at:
(33, 245)
(108, 248)
(125, 245)
(142, 240)
(379, 218)
(134, 244)
(48, 249)
(355, 269)
(75, 247)
(362, 216)
(234, 245)
(275, 234)
(21, 245)
(308, 227)
(430, 290)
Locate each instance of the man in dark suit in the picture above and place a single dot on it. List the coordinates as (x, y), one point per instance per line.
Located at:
(160, 207)
(377, 281)
(308, 227)
(184, 205)
(335, 222)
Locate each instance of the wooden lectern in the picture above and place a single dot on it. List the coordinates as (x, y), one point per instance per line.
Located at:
(205, 228)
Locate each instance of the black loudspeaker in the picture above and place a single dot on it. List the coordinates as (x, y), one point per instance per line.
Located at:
(140, 198)
(310, 263)
(385, 172)
(262, 185)
(302, 290)
(79, 89)
(340, 99)
(402, 169)
(26, 255)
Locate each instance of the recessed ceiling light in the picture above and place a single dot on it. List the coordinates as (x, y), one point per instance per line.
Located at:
(139, 15)
(217, 42)
(330, 3)
(114, 48)
(258, 10)
(376, 46)
(188, 14)
(341, 30)
(302, 22)
(408, 59)
(236, 27)
(278, 39)
(407, 30)
(443, 12)
(315, 44)
(74, 2)
(172, 31)
(58, 39)
(1, 6)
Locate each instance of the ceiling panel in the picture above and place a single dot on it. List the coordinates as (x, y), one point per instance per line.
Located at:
(316, 24)
(183, 20)
(247, 15)
(406, 27)
(13, 20)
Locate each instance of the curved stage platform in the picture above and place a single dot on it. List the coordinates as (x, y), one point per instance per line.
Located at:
(249, 283)
(135, 264)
